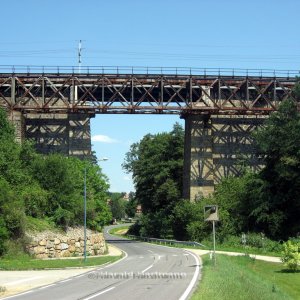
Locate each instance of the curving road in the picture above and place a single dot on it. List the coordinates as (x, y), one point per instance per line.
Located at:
(146, 272)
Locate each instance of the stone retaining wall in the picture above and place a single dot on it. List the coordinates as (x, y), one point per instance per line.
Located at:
(50, 245)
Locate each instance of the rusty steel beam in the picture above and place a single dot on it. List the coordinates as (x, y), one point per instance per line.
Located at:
(143, 93)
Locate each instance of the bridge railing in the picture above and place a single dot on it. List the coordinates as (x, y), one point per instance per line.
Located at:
(165, 241)
(115, 70)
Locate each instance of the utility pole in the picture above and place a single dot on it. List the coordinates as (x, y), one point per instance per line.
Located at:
(84, 193)
(79, 55)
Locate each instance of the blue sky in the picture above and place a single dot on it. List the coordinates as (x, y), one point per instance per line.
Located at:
(231, 33)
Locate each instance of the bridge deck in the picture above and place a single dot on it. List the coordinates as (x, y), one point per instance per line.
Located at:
(143, 93)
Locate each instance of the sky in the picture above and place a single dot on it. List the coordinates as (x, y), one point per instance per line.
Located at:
(158, 33)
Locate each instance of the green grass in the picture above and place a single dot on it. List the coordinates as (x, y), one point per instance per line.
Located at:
(244, 278)
(241, 249)
(26, 263)
(115, 230)
(35, 224)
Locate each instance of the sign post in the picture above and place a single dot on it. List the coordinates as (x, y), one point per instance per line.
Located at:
(211, 215)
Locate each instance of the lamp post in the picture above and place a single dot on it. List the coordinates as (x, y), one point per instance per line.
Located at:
(84, 195)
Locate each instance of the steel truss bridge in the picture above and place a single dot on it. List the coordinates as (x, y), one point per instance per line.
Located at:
(131, 90)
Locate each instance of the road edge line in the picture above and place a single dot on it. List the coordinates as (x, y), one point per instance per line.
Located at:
(194, 279)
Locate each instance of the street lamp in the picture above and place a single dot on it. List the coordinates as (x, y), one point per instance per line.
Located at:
(84, 193)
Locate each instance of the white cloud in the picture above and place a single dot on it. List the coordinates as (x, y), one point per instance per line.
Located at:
(103, 139)
(127, 178)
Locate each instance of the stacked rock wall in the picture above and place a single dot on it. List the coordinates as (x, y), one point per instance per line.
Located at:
(50, 245)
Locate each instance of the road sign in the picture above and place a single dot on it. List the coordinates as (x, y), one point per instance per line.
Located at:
(211, 213)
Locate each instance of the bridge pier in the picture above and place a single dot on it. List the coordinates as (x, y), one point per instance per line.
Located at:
(65, 133)
(215, 147)
(18, 120)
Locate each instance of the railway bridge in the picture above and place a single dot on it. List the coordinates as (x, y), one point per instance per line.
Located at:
(221, 107)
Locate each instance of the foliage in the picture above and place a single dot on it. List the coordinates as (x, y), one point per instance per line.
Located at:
(245, 278)
(48, 187)
(291, 255)
(255, 243)
(188, 223)
(117, 205)
(156, 163)
(130, 208)
(34, 224)
(266, 202)
(276, 205)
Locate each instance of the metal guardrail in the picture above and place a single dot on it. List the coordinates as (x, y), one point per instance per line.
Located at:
(165, 241)
(177, 71)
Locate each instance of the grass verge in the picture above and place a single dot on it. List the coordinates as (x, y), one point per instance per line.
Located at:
(246, 250)
(246, 278)
(120, 231)
(26, 263)
(37, 225)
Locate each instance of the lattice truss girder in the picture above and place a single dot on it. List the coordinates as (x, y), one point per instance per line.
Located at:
(143, 93)
(46, 131)
(221, 147)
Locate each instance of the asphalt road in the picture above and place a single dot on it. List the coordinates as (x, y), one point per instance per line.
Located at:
(146, 272)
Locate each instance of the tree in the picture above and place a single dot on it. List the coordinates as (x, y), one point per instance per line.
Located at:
(277, 205)
(291, 255)
(130, 208)
(156, 163)
(46, 186)
(62, 178)
(118, 207)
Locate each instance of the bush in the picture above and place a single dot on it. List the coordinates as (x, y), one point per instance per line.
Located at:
(253, 240)
(63, 217)
(291, 255)
(3, 236)
(198, 230)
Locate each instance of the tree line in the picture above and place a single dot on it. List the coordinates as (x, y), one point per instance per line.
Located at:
(48, 187)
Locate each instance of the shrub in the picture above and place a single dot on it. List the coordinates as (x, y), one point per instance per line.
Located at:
(253, 240)
(291, 255)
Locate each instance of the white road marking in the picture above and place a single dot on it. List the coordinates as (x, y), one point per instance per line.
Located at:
(193, 281)
(98, 294)
(114, 263)
(66, 280)
(141, 257)
(46, 286)
(147, 269)
(150, 251)
(174, 255)
(28, 292)
(186, 254)
(23, 280)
